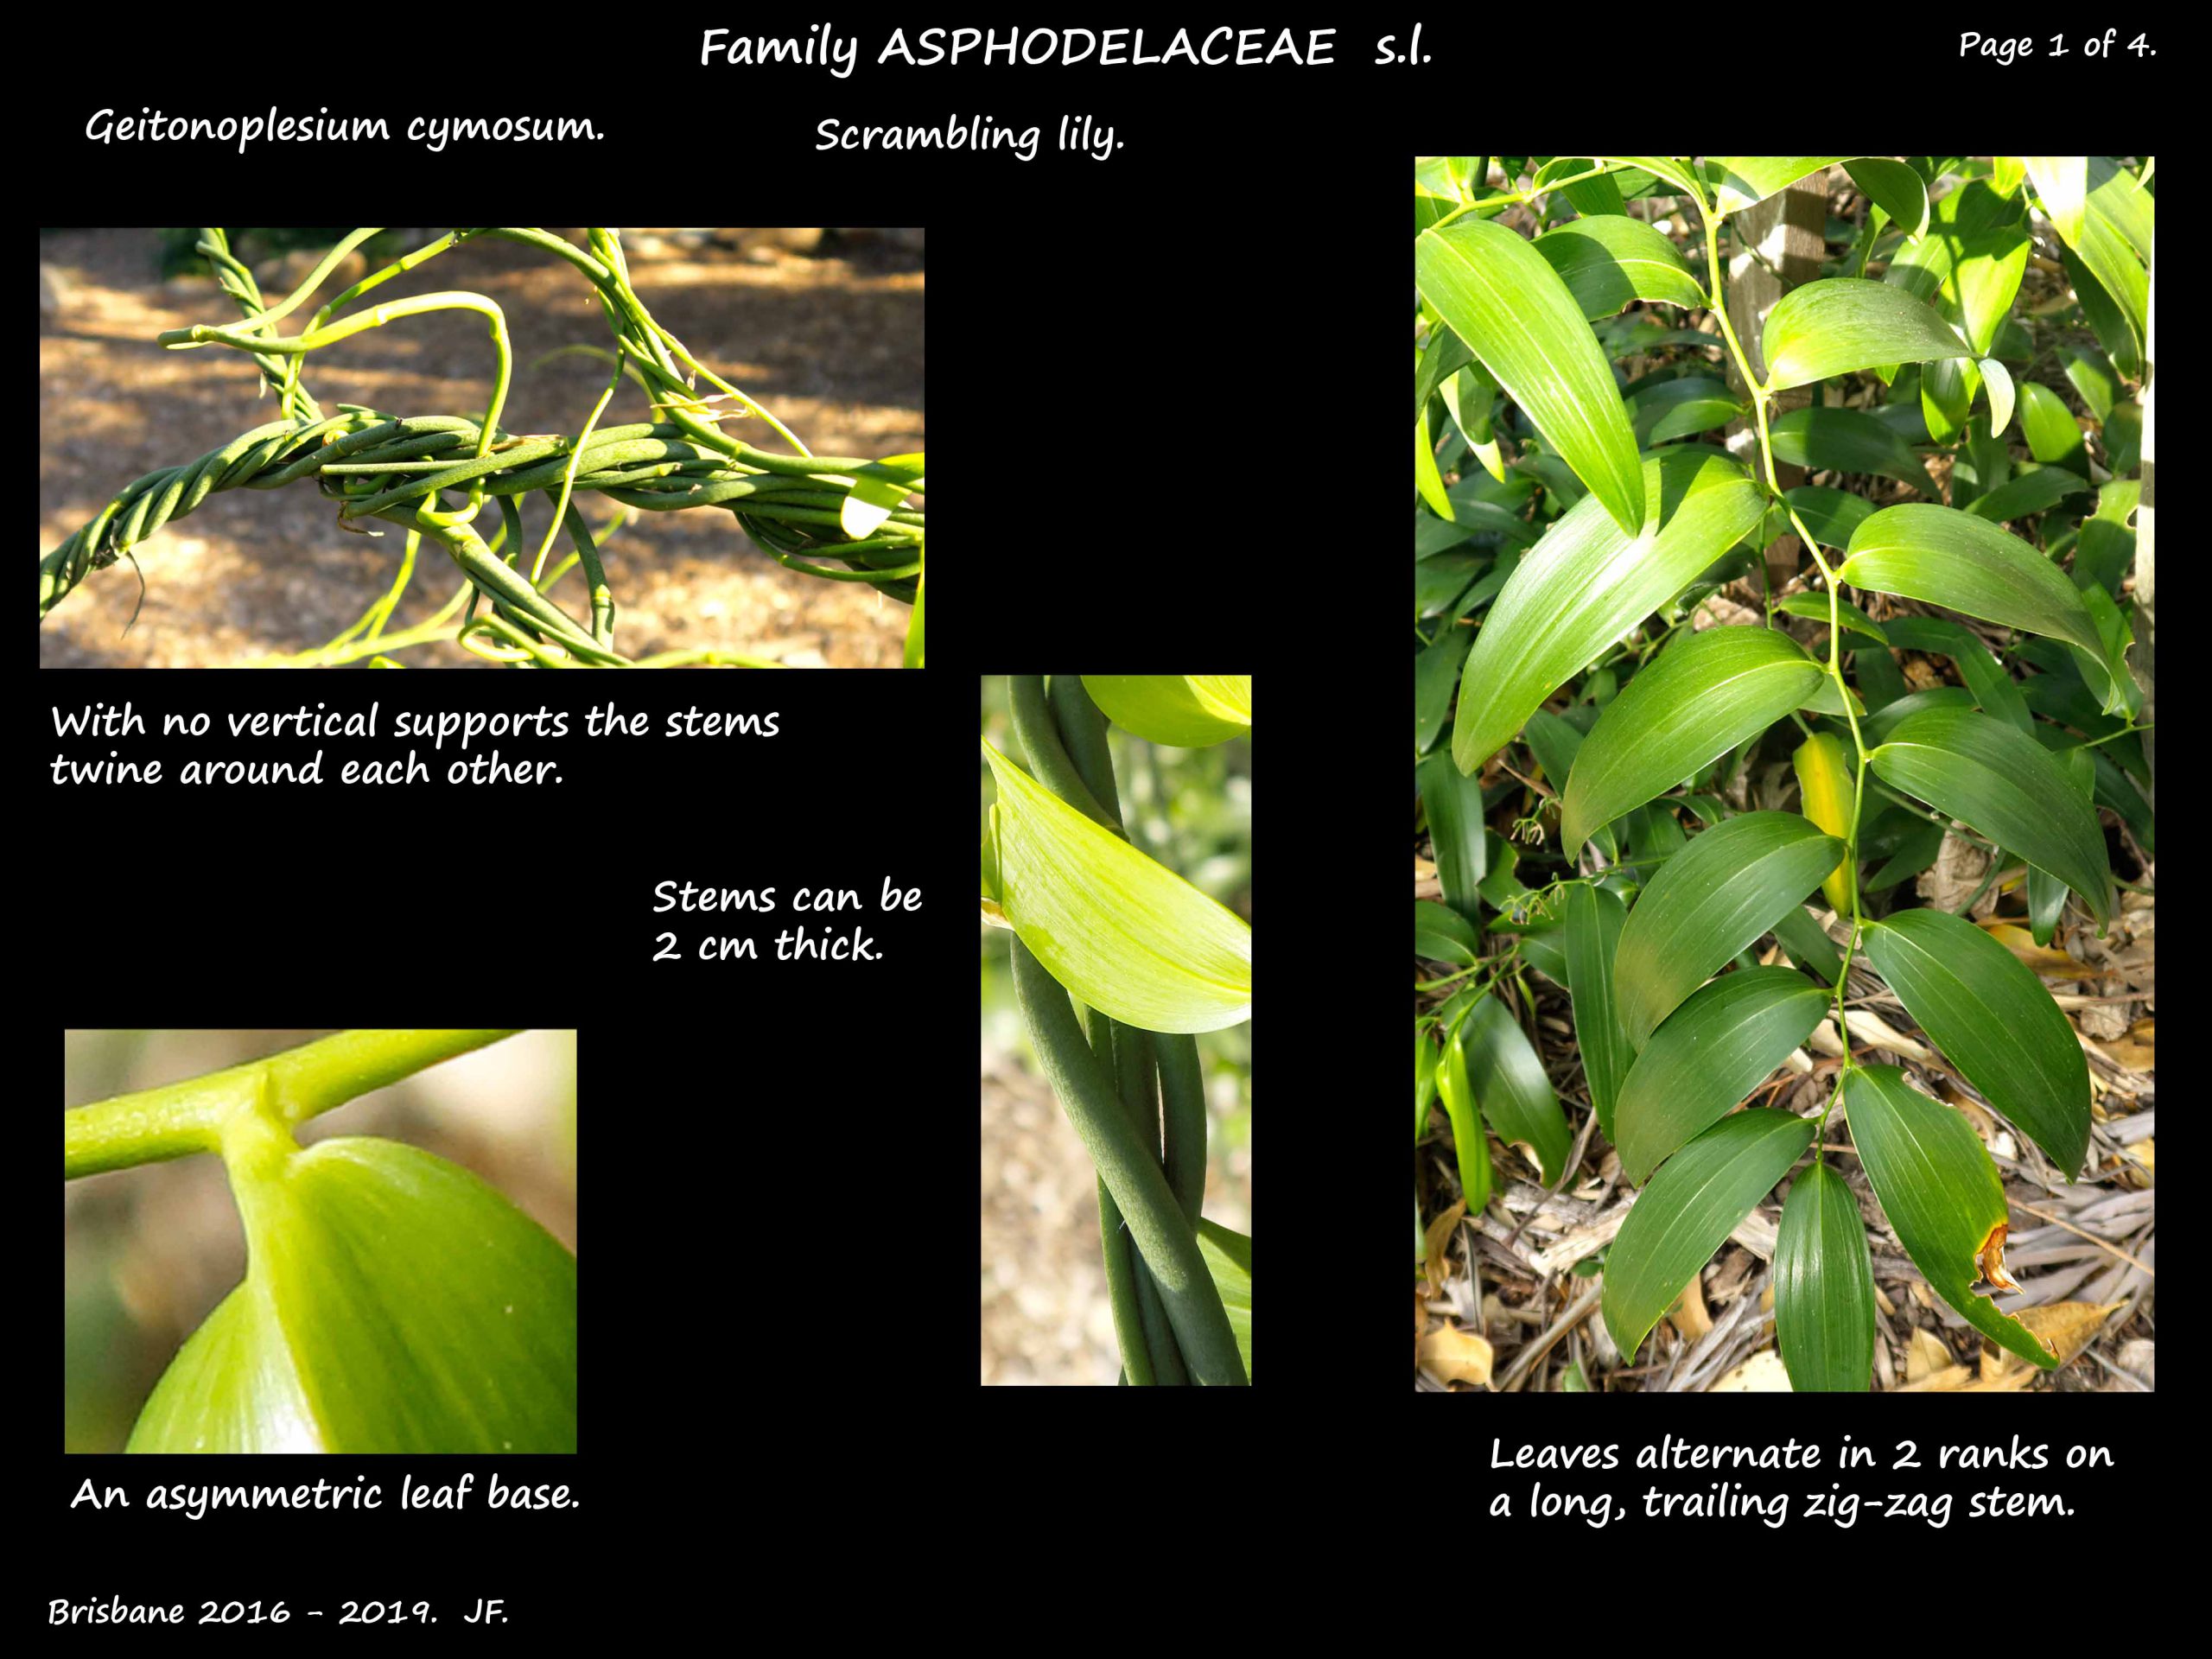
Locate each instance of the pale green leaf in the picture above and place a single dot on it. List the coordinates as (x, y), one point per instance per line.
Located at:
(1586, 582)
(1511, 308)
(1841, 325)
(1956, 559)
(1123, 934)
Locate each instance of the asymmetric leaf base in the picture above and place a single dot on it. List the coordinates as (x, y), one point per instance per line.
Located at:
(392, 1302)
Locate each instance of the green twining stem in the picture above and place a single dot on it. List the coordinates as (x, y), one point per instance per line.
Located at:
(1131, 1173)
(284, 1089)
(1183, 1100)
(1123, 1265)
(1049, 763)
(1081, 726)
(1133, 1070)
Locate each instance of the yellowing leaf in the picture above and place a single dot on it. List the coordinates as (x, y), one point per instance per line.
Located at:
(1826, 784)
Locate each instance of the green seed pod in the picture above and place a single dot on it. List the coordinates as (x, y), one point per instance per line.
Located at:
(392, 1302)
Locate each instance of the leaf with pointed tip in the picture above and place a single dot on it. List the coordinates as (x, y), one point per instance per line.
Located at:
(1846, 441)
(1957, 560)
(1894, 188)
(1516, 315)
(1707, 902)
(1978, 769)
(1454, 802)
(1510, 1083)
(1710, 1053)
(1841, 325)
(1594, 919)
(1706, 693)
(1687, 1212)
(1586, 582)
(1823, 1286)
(1609, 262)
(1940, 1191)
(1741, 182)
(1992, 1019)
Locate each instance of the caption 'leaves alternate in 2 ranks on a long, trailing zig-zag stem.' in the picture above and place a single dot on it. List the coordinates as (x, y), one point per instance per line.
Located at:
(1697, 744)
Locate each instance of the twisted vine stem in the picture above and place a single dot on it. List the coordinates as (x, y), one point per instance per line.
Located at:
(801, 510)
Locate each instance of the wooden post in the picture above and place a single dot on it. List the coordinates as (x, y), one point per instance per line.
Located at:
(1788, 234)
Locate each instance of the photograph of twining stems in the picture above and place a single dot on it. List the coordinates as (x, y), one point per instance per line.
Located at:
(533, 447)
(1116, 1004)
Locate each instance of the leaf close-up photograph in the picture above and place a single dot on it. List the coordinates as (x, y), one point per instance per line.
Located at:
(1116, 946)
(1785, 762)
(243, 1274)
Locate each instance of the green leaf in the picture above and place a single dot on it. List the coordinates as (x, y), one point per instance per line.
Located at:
(1955, 559)
(1609, 262)
(1842, 325)
(1711, 1052)
(1940, 1192)
(1187, 711)
(2104, 216)
(1458, 1094)
(1427, 480)
(1424, 1077)
(392, 1302)
(1454, 804)
(1229, 1259)
(1979, 770)
(1706, 903)
(1594, 919)
(1509, 1080)
(1800, 933)
(2049, 426)
(880, 488)
(1687, 1212)
(1894, 188)
(2001, 394)
(1993, 1019)
(1846, 441)
(1436, 667)
(1813, 607)
(1123, 934)
(1442, 934)
(1500, 297)
(1706, 693)
(1741, 182)
(1586, 582)
(1823, 1286)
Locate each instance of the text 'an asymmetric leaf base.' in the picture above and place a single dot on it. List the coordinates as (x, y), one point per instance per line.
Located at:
(392, 1302)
